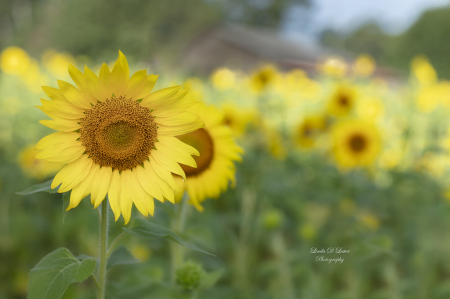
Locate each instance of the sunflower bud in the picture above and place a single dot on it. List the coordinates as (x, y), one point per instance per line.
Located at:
(189, 275)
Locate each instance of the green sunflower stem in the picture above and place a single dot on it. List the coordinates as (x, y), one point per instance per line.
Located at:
(103, 250)
(178, 222)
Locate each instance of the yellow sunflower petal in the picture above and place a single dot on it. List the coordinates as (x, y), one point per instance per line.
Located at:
(104, 80)
(180, 130)
(147, 88)
(63, 153)
(176, 143)
(56, 138)
(82, 189)
(164, 174)
(61, 125)
(54, 94)
(93, 85)
(73, 95)
(168, 164)
(136, 191)
(148, 183)
(166, 190)
(120, 75)
(176, 154)
(101, 186)
(114, 193)
(72, 174)
(62, 109)
(136, 83)
(126, 203)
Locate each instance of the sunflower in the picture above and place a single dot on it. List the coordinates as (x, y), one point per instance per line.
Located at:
(342, 100)
(263, 77)
(117, 137)
(238, 118)
(356, 143)
(215, 167)
(306, 133)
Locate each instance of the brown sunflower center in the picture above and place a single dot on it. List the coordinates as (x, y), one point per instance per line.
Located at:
(344, 100)
(357, 143)
(200, 140)
(118, 133)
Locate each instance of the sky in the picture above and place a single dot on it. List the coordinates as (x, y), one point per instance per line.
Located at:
(394, 16)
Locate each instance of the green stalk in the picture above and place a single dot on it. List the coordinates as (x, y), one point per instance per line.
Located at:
(103, 245)
(178, 222)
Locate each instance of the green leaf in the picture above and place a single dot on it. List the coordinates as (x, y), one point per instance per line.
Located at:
(121, 256)
(66, 202)
(147, 230)
(211, 278)
(50, 278)
(44, 187)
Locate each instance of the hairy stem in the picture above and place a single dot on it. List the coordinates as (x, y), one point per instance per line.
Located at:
(103, 246)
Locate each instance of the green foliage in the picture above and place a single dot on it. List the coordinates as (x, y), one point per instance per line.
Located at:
(43, 187)
(147, 230)
(50, 278)
(66, 202)
(121, 256)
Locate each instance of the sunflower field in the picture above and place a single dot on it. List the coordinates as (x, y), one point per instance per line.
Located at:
(268, 184)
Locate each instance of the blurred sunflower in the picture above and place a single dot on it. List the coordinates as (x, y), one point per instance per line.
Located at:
(263, 78)
(36, 168)
(342, 100)
(237, 118)
(364, 65)
(117, 137)
(334, 66)
(223, 79)
(14, 61)
(306, 133)
(356, 143)
(423, 71)
(215, 167)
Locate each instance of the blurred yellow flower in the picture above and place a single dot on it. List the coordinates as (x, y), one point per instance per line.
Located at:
(34, 167)
(140, 252)
(263, 77)
(308, 231)
(14, 61)
(428, 98)
(57, 63)
(274, 143)
(272, 218)
(237, 118)
(364, 65)
(390, 158)
(215, 167)
(369, 221)
(306, 133)
(335, 66)
(370, 109)
(342, 100)
(423, 71)
(223, 79)
(356, 143)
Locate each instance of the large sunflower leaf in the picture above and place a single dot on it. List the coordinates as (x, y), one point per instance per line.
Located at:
(50, 278)
(147, 230)
(43, 187)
